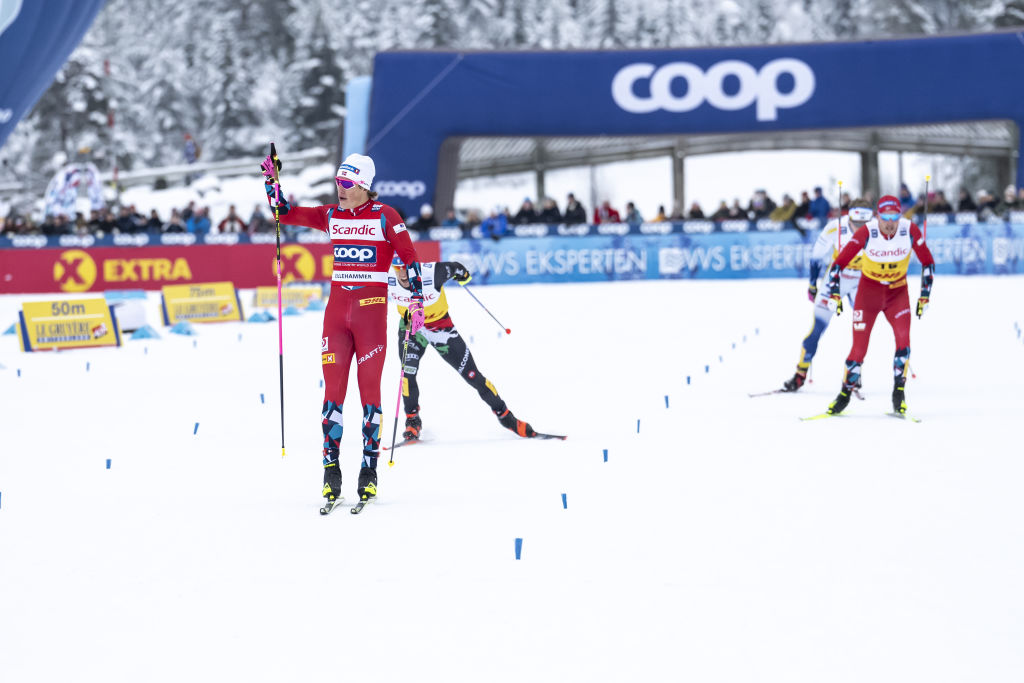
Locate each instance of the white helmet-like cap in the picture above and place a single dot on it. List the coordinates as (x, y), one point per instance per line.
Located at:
(359, 169)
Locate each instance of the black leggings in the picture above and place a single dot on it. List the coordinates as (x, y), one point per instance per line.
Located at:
(454, 351)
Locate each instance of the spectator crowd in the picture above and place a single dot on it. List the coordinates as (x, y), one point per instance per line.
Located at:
(788, 211)
(127, 220)
(500, 220)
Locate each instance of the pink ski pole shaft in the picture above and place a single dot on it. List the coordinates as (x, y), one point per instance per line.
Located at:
(398, 402)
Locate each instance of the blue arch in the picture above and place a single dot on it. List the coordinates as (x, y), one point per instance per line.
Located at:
(36, 38)
(420, 99)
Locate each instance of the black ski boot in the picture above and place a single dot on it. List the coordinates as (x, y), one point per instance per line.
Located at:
(332, 477)
(899, 403)
(509, 421)
(839, 405)
(413, 425)
(796, 382)
(367, 484)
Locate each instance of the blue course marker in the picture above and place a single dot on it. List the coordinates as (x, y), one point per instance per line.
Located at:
(707, 369)
(19, 372)
(87, 366)
(321, 384)
(565, 504)
(196, 430)
(108, 463)
(666, 400)
(638, 425)
(239, 336)
(195, 342)
(1, 494)
(606, 455)
(519, 548)
(261, 399)
(719, 359)
(687, 379)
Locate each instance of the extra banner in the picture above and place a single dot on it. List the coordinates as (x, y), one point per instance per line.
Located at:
(36, 264)
(67, 324)
(299, 297)
(210, 302)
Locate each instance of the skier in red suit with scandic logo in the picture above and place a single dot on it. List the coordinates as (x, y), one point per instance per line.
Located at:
(365, 234)
(886, 243)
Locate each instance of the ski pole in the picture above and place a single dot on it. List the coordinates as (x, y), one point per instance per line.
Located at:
(280, 318)
(398, 403)
(466, 287)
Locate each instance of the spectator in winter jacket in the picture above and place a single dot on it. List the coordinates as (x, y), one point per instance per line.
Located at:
(574, 211)
(695, 212)
(820, 207)
(495, 226)
(1008, 203)
(785, 212)
(906, 198)
(803, 209)
(232, 223)
(986, 205)
(526, 214)
(451, 220)
(175, 224)
(965, 203)
(126, 222)
(154, 224)
(722, 212)
(937, 203)
(426, 220)
(549, 213)
(199, 223)
(633, 216)
(660, 217)
(761, 206)
(606, 214)
(736, 211)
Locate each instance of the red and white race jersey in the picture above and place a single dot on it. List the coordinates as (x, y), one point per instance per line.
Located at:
(364, 238)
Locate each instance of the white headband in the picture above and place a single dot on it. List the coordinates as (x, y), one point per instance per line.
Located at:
(860, 214)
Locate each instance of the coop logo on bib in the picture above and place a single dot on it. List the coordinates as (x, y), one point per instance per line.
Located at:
(354, 254)
(758, 87)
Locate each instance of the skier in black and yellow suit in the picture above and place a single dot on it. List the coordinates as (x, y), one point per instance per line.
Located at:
(439, 331)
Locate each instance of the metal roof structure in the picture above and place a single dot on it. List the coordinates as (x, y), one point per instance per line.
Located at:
(483, 156)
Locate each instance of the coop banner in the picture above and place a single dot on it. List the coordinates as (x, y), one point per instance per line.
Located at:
(67, 324)
(978, 249)
(97, 269)
(209, 302)
(299, 297)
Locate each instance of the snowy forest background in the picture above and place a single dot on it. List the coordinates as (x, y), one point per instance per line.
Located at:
(235, 74)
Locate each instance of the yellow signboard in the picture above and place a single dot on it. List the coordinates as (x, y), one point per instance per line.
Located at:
(67, 324)
(299, 297)
(210, 302)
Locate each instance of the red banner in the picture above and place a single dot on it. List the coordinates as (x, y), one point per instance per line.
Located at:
(24, 271)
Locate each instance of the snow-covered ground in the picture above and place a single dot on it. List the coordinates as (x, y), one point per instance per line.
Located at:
(723, 541)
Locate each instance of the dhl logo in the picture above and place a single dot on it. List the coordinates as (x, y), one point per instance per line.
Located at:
(372, 300)
(326, 358)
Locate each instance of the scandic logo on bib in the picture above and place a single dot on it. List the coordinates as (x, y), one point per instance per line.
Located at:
(350, 230)
(887, 253)
(758, 87)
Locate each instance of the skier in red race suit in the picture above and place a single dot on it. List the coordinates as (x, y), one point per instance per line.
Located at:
(365, 234)
(886, 242)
